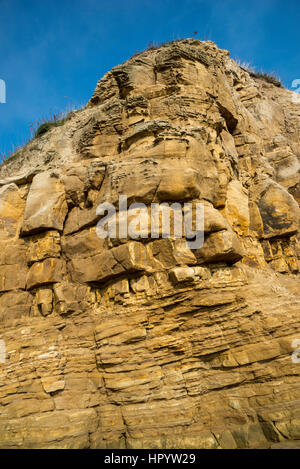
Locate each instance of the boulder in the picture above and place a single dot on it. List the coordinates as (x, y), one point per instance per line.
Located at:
(222, 246)
(51, 270)
(279, 211)
(127, 258)
(46, 206)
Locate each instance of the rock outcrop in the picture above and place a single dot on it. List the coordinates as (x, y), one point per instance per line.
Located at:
(146, 343)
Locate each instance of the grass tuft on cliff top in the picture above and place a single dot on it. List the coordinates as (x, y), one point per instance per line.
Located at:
(38, 129)
(45, 126)
(268, 77)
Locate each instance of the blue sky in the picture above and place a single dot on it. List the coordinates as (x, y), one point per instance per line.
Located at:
(53, 52)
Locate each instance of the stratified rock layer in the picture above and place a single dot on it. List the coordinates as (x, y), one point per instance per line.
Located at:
(145, 343)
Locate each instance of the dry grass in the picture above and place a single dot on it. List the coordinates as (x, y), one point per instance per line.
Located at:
(271, 77)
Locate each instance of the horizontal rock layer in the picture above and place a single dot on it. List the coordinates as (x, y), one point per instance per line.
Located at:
(147, 343)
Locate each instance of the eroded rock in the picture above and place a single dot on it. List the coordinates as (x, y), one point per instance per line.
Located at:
(46, 206)
(142, 342)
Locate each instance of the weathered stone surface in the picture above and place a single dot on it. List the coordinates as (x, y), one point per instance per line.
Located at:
(42, 246)
(182, 274)
(50, 270)
(83, 244)
(14, 305)
(73, 182)
(46, 205)
(222, 246)
(94, 175)
(144, 342)
(237, 208)
(12, 277)
(44, 300)
(13, 253)
(53, 384)
(168, 252)
(279, 211)
(13, 267)
(70, 298)
(79, 218)
(11, 210)
(127, 258)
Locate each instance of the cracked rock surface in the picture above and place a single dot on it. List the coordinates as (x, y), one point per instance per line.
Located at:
(145, 343)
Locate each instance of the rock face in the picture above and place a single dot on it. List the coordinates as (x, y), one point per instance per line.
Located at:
(146, 343)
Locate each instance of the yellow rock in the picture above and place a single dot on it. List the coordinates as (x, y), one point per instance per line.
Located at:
(146, 342)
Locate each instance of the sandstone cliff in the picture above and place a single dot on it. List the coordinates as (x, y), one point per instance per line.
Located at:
(145, 343)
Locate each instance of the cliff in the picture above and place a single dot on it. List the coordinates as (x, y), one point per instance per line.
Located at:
(145, 343)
